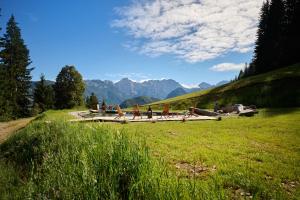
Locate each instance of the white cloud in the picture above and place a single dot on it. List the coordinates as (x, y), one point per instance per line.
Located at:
(194, 30)
(223, 67)
(187, 85)
(136, 77)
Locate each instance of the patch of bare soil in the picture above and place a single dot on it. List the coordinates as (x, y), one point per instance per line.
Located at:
(289, 186)
(268, 177)
(194, 170)
(242, 194)
(237, 192)
(8, 128)
(171, 133)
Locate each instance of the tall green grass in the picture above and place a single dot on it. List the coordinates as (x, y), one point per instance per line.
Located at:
(53, 159)
(60, 160)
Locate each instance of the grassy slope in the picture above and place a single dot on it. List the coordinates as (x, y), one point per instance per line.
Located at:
(271, 89)
(259, 155)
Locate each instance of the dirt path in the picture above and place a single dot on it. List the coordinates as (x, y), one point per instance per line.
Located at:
(8, 128)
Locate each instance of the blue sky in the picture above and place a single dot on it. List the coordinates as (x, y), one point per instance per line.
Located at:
(146, 39)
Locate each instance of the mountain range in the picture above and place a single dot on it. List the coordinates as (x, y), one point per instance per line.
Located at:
(116, 93)
(138, 101)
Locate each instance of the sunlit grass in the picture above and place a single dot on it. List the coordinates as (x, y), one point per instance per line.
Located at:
(234, 158)
(257, 154)
(60, 160)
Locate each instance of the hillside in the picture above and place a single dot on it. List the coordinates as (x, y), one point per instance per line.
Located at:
(279, 88)
(137, 100)
(177, 92)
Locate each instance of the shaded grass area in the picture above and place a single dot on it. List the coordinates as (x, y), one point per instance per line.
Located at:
(236, 158)
(279, 88)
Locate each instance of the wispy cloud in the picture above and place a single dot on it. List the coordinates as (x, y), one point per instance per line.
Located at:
(193, 30)
(192, 85)
(224, 67)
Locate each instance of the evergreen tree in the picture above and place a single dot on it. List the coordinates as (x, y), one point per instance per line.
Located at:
(250, 70)
(269, 46)
(259, 59)
(87, 101)
(14, 66)
(69, 88)
(43, 95)
(241, 74)
(93, 101)
(275, 35)
(291, 41)
(2, 83)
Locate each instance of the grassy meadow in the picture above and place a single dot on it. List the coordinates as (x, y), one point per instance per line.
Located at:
(236, 158)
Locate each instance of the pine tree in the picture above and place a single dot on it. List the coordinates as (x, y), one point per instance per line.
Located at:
(251, 70)
(2, 88)
(43, 95)
(4, 108)
(87, 101)
(15, 61)
(69, 88)
(269, 46)
(259, 59)
(241, 74)
(93, 101)
(275, 35)
(291, 41)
